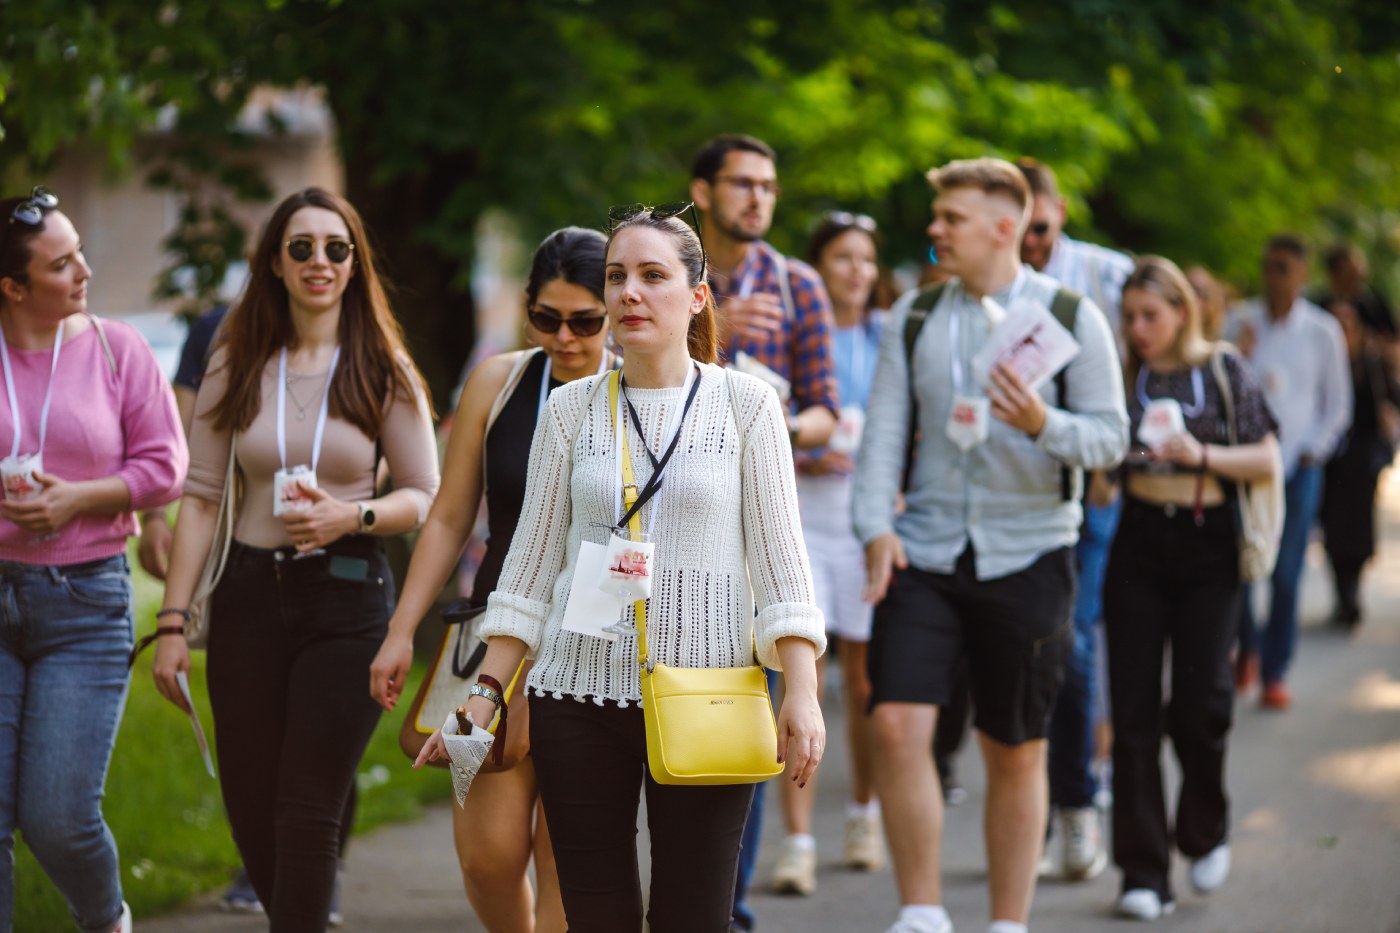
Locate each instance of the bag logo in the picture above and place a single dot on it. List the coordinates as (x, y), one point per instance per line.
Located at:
(721, 702)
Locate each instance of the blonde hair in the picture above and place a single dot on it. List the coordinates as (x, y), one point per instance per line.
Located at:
(1161, 277)
(990, 176)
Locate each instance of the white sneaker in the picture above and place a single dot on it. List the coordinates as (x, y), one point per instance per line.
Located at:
(908, 926)
(1209, 872)
(1084, 856)
(865, 843)
(124, 921)
(1143, 904)
(796, 871)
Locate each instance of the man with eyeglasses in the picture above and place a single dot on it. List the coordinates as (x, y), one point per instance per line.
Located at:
(1298, 353)
(774, 309)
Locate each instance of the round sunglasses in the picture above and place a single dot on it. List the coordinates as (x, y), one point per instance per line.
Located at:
(31, 210)
(302, 248)
(579, 326)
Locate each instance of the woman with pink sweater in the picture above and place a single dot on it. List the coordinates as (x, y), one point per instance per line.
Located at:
(93, 435)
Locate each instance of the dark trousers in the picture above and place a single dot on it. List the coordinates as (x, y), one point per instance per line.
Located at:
(1170, 582)
(591, 764)
(289, 651)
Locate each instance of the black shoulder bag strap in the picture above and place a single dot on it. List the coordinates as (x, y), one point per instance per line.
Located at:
(923, 306)
(1065, 308)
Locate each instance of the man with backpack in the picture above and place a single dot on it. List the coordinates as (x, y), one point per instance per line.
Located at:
(979, 565)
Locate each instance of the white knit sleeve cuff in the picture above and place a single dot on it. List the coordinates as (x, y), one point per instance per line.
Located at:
(787, 620)
(516, 617)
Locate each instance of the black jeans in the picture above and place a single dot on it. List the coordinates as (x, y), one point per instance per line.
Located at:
(290, 646)
(591, 763)
(1170, 582)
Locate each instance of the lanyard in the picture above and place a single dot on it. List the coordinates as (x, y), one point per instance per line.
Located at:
(48, 393)
(1193, 410)
(859, 335)
(653, 485)
(544, 381)
(320, 418)
(954, 350)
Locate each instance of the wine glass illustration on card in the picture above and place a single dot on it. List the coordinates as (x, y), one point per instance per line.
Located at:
(627, 572)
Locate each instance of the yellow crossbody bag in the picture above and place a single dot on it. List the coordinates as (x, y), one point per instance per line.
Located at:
(704, 725)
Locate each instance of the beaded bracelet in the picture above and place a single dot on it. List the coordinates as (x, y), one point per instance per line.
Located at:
(182, 613)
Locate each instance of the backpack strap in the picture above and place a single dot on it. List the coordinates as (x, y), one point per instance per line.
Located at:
(922, 307)
(106, 347)
(1065, 309)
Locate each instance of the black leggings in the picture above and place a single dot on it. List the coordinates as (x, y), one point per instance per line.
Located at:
(290, 646)
(1170, 582)
(590, 762)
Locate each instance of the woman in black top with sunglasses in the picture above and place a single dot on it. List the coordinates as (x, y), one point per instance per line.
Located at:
(568, 324)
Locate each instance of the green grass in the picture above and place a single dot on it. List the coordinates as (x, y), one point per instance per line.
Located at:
(165, 810)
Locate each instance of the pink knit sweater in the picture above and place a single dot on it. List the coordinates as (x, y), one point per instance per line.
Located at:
(100, 424)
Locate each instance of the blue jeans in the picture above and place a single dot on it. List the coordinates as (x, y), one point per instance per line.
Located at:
(64, 636)
(748, 847)
(1072, 779)
(1302, 494)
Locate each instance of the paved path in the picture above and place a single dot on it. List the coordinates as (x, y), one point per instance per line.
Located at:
(1316, 801)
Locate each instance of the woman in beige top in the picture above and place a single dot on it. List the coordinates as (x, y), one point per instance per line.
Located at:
(311, 373)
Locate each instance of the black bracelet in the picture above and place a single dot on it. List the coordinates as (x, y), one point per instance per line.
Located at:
(182, 613)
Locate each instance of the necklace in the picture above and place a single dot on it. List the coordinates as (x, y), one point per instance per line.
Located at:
(300, 406)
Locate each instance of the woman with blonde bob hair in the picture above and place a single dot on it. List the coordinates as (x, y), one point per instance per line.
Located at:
(710, 454)
(309, 387)
(1173, 579)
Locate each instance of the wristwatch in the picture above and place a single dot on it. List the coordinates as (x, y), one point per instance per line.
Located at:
(366, 516)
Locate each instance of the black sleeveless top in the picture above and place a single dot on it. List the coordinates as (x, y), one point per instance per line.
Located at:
(507, 457)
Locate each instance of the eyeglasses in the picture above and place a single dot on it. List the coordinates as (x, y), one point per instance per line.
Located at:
(586, 326)
(846, 220)
(763, 186)
(622, 213)
(1039, 228)
(31, 211)
(302, 248)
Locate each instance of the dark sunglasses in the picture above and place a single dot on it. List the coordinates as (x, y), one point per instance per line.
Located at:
(622, 213)
(1040, 228)
(586, 326)
(302, 248)
(846, 220)
(31, 211)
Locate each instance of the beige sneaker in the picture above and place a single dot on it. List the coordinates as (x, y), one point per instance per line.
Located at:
(865, 843)
(796, 871)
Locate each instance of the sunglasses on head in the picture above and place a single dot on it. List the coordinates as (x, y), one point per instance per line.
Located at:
(31, 210)
(1039, 228)
(302, 248)
(625, 212)
(586, 326)
(847, 220)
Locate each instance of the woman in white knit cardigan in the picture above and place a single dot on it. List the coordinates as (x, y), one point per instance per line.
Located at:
(728, 541)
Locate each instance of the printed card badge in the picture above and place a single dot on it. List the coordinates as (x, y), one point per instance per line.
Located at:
(286, 497)
(969, 420)
(846, 438)
(628, 567)
(1161, 421)
(17, 473)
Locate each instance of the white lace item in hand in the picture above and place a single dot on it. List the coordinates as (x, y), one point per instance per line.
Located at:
(467, 753)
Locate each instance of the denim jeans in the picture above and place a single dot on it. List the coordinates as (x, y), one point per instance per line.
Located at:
(1072, 779)
(64, 636)
(748, 847)
(1302, 494)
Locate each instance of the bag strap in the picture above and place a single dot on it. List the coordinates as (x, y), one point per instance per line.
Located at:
(634, 522)
(1065, 309)
(106, 347)
(923, 306)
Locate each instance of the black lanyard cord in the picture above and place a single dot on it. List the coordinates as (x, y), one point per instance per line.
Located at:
(653, 484)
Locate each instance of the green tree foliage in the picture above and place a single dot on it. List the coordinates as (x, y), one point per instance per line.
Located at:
(1175, 128)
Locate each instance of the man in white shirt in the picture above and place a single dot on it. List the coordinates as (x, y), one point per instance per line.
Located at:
(978, 565)
(1298, 353)
(1099, 273)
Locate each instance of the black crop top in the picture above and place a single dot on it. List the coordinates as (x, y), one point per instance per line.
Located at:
(1204, 416)
(507, 458)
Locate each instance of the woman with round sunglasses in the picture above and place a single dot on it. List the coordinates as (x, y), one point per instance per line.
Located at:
(308, 388)
(842, 249)
(1173, 584)
(711, 455)
(92, 434)
(500, 826)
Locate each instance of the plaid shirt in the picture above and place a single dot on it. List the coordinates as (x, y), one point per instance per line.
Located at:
(800, 351)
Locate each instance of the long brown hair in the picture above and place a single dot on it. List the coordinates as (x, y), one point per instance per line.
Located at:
(1161, 277)
(374, 365)
(701, 338)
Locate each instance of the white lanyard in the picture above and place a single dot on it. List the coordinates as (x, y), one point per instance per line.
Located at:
(320, 418)
(48, 393)
(1197, 391)
(858, 336)
(544, 382)
(672, 429)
